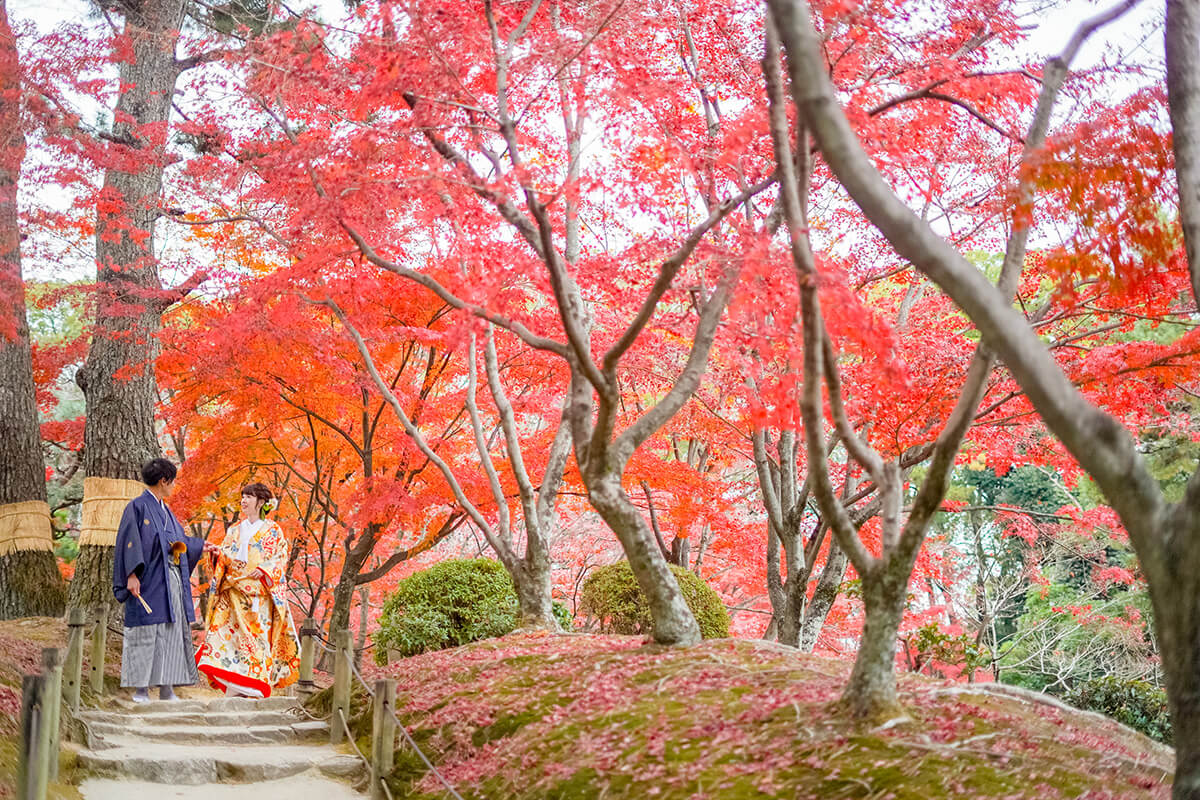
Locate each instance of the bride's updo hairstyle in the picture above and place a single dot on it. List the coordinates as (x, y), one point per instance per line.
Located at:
(259, 491)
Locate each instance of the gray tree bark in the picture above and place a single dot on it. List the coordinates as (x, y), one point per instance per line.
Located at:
(1177, 596)
(594, 401)
(673, 621)
(1166, 536)
(871, 690)
(30, 583)
(824, 595)
(117, 378)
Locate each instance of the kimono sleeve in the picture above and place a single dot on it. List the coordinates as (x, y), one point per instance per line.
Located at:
(195, 549)
(274, 556)
(128, 558)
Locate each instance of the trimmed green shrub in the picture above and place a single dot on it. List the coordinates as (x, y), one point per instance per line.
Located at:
(1138, 704)
(450, 604)
(612, 595)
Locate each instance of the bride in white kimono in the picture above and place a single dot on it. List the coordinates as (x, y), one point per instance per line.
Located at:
(250, 647)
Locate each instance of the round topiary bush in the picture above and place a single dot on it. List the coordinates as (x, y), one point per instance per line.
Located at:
(449, 604)
(611, 594)
(1138, 704)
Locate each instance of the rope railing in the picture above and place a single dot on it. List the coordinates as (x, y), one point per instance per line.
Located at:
(346, 727)
(385, 722)
(384, 727)
(41, 708)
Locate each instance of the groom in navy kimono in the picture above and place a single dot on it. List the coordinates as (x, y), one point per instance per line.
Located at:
(158, 641)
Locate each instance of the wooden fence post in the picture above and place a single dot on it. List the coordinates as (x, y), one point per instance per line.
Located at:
(99, 643)
(52, 671)
(73, 672)
(31, 763)
(308, 643)
(383, 736)
(341, 685)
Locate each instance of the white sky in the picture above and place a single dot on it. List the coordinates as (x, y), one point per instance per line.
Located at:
(1137, 37)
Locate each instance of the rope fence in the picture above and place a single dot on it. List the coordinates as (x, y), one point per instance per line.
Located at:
(42, 695)
(40, 737)
(385, 723)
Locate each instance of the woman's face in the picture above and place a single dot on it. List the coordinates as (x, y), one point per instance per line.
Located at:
(250, 505)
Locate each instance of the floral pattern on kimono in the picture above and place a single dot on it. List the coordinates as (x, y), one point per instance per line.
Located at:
(250, 641)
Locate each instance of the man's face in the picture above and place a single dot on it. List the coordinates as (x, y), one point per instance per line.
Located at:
(167, 486)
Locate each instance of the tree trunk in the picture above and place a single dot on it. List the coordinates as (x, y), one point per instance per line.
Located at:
(871, 691)
(774, 584)
(790, 622)
(535, 609)
(343, 593)
(343, 599)
(674, 623)
(531, 577)
(118, 377)
(681, 550)
(828, 586)
(30, 584)
(794, 591)
(1176, 622)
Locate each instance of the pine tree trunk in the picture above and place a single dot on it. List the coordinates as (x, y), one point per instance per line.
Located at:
(674, 623)
(871, 691)
(118, 377)
(30, 583)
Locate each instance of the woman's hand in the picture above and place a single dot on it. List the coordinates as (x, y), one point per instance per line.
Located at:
(211, 549)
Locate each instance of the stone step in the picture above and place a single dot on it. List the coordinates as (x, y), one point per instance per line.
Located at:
(238, 704)
(193, 765)
(112, 734)
(305, 786)
(196, 718)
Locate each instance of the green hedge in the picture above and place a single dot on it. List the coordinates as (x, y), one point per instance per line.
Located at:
(1138, 704)
(450, 604)
(446, 605)
(612, 595)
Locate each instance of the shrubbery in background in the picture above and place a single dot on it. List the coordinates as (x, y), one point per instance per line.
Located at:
(611, 595)
(449, 604)
(1138, 704)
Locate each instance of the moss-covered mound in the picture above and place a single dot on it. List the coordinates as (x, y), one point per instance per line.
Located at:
(571, 716)
(21, 643)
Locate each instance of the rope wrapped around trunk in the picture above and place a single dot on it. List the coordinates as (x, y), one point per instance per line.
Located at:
(25, 526)
(104, 500)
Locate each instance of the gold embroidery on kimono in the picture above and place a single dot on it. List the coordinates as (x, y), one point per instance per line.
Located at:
(250, 646)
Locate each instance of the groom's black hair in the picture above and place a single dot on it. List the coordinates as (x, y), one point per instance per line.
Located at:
(156, 470)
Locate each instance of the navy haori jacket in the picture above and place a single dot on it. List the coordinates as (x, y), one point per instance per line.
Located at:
(143, 548)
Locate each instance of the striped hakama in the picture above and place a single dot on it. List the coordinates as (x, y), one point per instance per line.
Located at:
(162, 654)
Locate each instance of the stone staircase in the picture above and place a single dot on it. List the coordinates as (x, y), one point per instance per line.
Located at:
(222, 749)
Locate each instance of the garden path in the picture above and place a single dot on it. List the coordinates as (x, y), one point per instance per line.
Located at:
(216, 749)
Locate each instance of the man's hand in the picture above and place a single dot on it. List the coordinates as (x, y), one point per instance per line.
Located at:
(134, 586)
